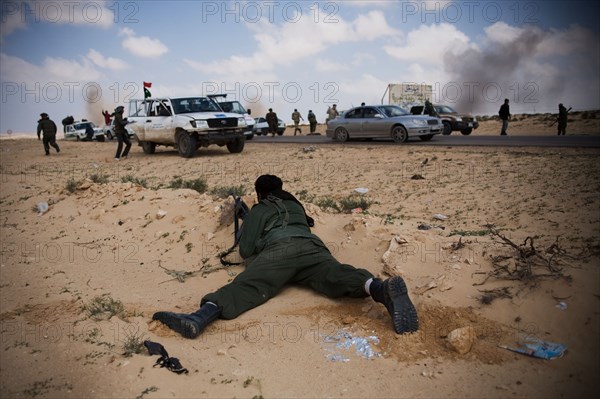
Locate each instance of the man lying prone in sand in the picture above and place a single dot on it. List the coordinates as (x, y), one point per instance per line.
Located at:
(279, 248)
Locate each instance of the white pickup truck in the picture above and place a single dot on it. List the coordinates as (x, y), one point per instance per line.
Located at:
(186, 123)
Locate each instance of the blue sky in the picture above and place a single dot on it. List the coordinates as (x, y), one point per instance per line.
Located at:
(79, 57)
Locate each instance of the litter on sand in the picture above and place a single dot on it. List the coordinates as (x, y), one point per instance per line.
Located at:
(541, 349)
(42, 207)
(346, 341)
(361, 190)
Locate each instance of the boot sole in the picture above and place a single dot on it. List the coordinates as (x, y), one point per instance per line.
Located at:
(179, 323)
(403, 312)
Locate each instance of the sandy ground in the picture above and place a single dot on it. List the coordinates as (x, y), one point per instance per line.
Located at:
(109, 239)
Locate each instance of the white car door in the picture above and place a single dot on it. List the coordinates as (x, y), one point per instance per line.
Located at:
(159, 122)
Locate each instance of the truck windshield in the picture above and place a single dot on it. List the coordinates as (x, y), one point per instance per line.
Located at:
(232, 106)
(194, 104)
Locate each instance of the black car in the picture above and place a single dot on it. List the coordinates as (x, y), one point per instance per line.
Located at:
(452, 120)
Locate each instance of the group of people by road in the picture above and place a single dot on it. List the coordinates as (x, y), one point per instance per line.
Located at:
(47, 128)
(46, 131)
(273, 121)
(561, 120)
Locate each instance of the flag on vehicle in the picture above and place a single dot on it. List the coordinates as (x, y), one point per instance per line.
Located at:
(147, 93)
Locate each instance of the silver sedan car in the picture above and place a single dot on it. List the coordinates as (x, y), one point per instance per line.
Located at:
(383, 121)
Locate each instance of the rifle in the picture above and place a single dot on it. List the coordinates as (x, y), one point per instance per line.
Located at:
(240, 210)
(557, 118)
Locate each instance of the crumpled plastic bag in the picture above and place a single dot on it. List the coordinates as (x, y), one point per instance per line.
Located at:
(541, 349)
(42, 207)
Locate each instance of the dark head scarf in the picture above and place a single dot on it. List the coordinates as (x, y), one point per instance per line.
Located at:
(267, 185)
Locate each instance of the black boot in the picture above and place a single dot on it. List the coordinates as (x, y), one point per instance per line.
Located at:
(190, 325)
(394, 295)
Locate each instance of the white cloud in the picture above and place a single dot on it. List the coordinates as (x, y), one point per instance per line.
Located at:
(142, 46)
(11, 20)
(502, 33)
(361, 58)
(428, 43)
(114, 64)
(366, 88)
(57, 70)
(282, 45)
(81, 12)
(322, 65)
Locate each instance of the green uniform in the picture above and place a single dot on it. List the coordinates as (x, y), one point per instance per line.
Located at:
(48, 127)
(312, 120)
(279, 248)
(122, 135)
(272, 121)
(296, 118)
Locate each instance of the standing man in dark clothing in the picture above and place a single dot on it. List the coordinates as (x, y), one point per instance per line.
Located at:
(562, 120)
(279, 248)
(272, 120)
(121, 133)
(89, 132)
(312, 120)
(504, 114)
(48, 127)
(69, 120)
(429, 109)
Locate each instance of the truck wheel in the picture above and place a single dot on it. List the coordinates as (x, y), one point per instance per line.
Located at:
(236, 146)
(399, 134)
(466, 132)
(250, 136)
(100, 138)
(341, 134)
(447, 128)
(77, 138)
(187, 145)
(109, 135)
(148, 147)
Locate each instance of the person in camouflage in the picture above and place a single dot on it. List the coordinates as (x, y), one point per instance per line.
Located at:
(296, 118)
(279, 248)
(312, 120)
(48, 127)
(272, 121)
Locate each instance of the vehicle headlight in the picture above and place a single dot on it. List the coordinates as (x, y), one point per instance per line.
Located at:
(419, 122)
(458, 119)
(199, 124)
(241, 121)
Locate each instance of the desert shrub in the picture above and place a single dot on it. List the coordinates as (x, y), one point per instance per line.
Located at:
(134, 180)
(72, 185)
(104, 307)
(133, 345)
(305, 196)
(355, 201)
(225, 191)
(99, 179)
(198, 184)
(327, 202)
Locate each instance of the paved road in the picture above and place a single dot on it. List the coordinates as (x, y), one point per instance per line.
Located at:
(454, 140)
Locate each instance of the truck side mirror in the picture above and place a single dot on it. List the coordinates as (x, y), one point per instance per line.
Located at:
(249, 111)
